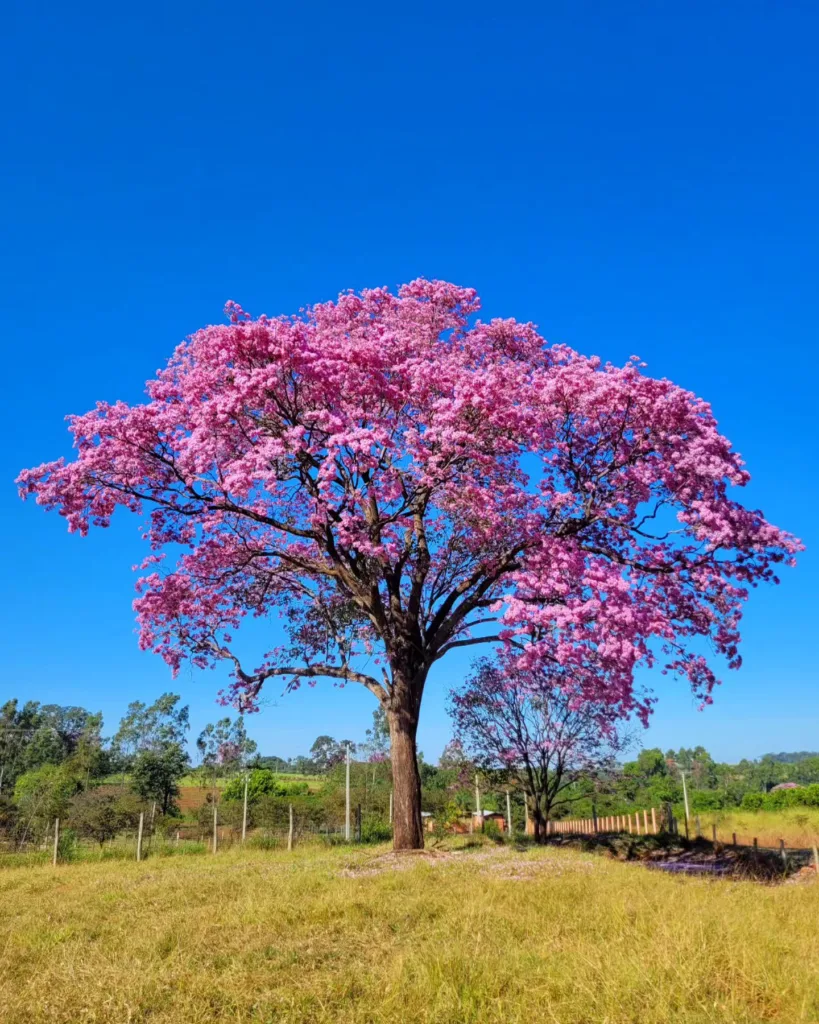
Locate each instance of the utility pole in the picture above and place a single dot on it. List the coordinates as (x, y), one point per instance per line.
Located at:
(244, 813)
(685, 801)
(508, 813)
(347, 799)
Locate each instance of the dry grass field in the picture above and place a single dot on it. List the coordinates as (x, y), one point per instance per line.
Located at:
(354, 936)
(798, 826)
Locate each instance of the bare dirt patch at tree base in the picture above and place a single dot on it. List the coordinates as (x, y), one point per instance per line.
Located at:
(395, 860)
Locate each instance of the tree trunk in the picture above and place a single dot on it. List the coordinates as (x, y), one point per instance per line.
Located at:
(540, 823)
(408, 833)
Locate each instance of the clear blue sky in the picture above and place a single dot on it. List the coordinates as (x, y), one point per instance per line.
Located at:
(632, 177)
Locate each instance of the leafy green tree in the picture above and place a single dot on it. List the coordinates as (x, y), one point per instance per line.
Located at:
(806, 771)
(377, 744)
(34, 735)
(98, 815)
(156, 775)
(151, 727)
(42, 795)
(271, 762)
(224, 747)
(327, 752)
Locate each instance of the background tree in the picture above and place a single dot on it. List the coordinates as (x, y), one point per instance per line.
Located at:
(394, 477)
(538, 728)
(38, 734)
(17, 727)
(326, 753)
(156, 774)
(41, 795)
(272, 762)
(376, 746)
(225, 748)
(150, 743)
(98, 815)
(151, 727)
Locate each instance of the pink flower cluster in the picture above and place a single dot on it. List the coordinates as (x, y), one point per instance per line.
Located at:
(392, 475)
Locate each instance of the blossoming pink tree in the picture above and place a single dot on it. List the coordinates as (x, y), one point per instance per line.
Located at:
(398, 480)
(537, 726)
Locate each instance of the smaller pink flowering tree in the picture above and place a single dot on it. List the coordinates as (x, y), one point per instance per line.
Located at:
(538, 727)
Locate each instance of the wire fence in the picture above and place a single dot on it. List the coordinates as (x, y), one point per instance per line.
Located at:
(151, 836)
(648, 822)
(63, 841)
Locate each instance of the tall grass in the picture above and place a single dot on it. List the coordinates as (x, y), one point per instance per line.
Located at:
(798, 826)
(359, 937)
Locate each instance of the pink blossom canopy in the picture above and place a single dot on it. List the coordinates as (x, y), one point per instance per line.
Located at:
(392, 475)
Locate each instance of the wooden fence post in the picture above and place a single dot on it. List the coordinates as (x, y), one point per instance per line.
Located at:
(734, 838)
(244, 812)
(645, 823)
(714, 832)
(56, 841)
(139, 835)
(782, 852)
(215, 828)
(816, 860)
(654, 821)
(637, 822)
(508, 813)
(756, 844)
(290, 831)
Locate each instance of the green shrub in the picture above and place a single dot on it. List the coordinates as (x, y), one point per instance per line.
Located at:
(262, 782)
(707, 800)
(753, 801)
(375, 830)
(804, 796)
(491, 829)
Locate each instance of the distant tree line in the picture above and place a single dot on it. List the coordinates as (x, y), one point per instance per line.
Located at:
(55, 762)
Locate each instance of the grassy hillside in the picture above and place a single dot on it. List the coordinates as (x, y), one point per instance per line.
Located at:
(493, 935)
